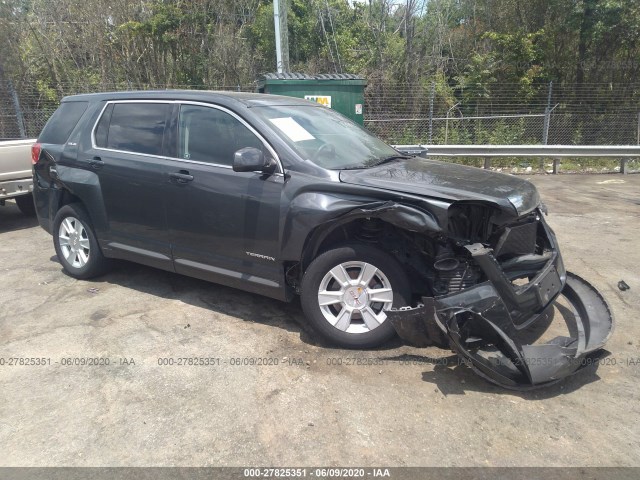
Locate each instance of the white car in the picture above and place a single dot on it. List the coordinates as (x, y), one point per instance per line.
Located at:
(16, 181)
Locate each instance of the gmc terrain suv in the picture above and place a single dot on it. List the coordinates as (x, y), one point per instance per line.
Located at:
(284, 197)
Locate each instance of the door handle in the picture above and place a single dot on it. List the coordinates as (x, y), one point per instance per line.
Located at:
(96, 162)
(182, 176)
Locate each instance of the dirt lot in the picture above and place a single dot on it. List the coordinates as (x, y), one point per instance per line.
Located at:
(396, 406)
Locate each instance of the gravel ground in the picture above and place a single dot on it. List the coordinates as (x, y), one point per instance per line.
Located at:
(307, 404)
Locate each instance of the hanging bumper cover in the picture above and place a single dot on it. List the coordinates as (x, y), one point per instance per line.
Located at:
(492, 325)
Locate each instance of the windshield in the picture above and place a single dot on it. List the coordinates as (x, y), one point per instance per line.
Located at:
(325, 137)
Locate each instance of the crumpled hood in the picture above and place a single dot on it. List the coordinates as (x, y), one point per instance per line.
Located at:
(448, 181)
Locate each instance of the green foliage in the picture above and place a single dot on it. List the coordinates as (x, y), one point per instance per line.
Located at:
(49, 94)
(502, 133)
(262, 36)
(472, 50)
(455, 134)
(510, 58)
(474, 45)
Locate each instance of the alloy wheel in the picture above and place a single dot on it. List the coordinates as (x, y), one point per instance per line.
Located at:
(74, 242)
(353, 297)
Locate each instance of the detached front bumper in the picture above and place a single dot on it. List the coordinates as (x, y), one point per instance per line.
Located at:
(492, 325)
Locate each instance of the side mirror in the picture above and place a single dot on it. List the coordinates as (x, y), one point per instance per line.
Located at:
(251, 159)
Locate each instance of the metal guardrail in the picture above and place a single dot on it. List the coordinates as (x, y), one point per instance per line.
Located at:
(556, 152)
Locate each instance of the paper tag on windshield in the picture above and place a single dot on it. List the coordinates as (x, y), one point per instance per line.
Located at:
(292, 129)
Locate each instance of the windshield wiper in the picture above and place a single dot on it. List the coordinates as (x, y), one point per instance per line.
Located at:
(381, 161)
(391, 158)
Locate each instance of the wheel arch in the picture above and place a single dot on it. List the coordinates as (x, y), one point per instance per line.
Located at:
(81, 186)
(340, 230)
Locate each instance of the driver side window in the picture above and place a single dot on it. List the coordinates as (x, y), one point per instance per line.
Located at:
(210, 135)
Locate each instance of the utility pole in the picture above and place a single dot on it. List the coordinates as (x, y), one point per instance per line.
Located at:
(282, 35)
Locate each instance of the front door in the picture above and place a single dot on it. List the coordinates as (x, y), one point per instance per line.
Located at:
(223, 225)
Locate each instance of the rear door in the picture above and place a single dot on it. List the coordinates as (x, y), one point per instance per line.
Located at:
(127, 155)
(223, 225)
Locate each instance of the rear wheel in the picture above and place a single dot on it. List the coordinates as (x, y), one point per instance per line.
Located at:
(347, 291)
(26, 205)
(76, 244)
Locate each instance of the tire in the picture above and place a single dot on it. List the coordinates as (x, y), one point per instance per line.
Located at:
(76, 244)
(350, 317)
(26, 205)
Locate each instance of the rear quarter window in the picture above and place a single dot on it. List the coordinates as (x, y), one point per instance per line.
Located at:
(62, 122)
(102, 129)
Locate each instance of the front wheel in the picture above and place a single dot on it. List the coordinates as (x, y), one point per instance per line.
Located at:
(347, 291)
(76, 244)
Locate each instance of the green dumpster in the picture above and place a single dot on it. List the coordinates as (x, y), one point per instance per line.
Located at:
(342, 92)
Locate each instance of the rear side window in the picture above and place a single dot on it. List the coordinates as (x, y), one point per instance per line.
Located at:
(133, 127)
(62, 122)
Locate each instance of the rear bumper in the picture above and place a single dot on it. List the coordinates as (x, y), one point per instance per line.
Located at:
(492, 324)
(15, 188)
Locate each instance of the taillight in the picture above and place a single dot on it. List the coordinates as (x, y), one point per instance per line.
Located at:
(35, 152)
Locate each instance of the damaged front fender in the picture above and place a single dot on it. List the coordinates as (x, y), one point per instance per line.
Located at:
(308, 226)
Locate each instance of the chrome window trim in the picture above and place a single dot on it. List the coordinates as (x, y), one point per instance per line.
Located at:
(280, 171)
(109, 102)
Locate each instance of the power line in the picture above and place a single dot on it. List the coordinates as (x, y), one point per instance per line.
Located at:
(333, 34)
(326, 37)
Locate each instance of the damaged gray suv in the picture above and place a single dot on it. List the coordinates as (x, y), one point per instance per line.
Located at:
(284, 197)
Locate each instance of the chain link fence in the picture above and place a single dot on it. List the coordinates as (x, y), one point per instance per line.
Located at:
(24, 113)
(11, 123)
(526, 129)
(428, 114)
(431, 114)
